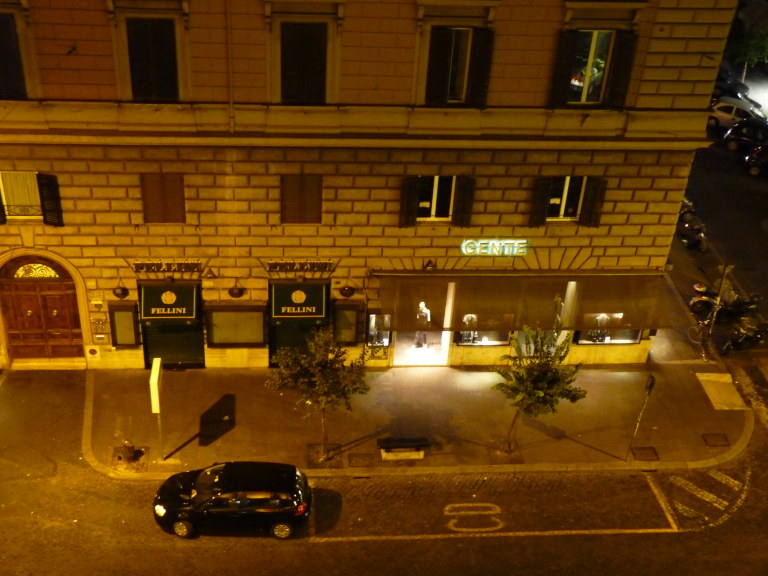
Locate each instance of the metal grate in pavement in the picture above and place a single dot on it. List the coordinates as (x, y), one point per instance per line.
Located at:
(716, 440)
(645, 453)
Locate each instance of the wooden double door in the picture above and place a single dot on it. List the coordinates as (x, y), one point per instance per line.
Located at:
(41, 318)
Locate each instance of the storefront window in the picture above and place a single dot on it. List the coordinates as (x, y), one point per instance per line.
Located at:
(606, 329)
(482, 332)
(379, 333)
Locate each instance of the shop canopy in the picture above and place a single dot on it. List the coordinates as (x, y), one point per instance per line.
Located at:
(511, 302)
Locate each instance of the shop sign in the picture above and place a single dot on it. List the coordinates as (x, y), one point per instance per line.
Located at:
(298, 300)
(494, 247)
(299, 265)
(168, 302)
(167, 266)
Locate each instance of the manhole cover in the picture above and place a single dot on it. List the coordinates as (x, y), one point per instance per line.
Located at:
(645, 453)
(716, 440)
(361, 460)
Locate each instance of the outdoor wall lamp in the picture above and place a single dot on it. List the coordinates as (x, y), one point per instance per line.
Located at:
(236, 291)
(347, 291)
(120, 290)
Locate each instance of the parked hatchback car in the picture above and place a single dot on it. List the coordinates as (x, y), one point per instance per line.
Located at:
(746, 134)
(727, 111)
(233, 495)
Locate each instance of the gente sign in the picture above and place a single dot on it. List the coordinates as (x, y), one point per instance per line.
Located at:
(510, 247)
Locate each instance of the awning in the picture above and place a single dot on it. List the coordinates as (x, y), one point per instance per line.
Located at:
(511, 302)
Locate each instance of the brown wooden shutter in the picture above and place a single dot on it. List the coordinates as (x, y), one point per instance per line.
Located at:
(592, 203)
(11, 70)
(409, 201)
(540, 204)
(620, 68)
(563, 68)
(50, 199)
(439, 66)
(480, 67)
(163, 198)
(152, 56)
(301, 198)
(464, 196)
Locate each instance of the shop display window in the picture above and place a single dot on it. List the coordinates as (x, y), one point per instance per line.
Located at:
(606, 329)
(235, 326)
(379, 329)
(481, 332)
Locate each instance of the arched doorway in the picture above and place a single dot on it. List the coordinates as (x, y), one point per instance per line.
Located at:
(38, 301)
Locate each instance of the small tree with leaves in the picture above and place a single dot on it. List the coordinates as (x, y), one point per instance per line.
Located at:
(536, 377)
(322, 376)
(748, 47)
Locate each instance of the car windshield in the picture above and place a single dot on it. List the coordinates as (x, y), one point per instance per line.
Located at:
(209, 478)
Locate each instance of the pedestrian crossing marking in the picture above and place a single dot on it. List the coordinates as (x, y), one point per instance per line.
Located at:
(699, 492)
(725, 479)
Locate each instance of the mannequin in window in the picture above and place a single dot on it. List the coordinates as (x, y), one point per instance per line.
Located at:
(423, 318)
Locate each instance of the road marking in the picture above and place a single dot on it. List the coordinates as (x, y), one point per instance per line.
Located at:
(482, 509)
(699, 492)
(725, 479)
(662, 500)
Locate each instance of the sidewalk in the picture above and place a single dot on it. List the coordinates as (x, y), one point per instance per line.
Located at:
(692, 417)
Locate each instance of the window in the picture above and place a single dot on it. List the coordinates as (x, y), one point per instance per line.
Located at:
(437, 199)
(11, 70)
(163, 198)
(348, 322)
(235, 325)
(30, 196)
(459, 66)
(124, 324)
(152, 55)
(593, 67)
(575, 198)
(303, 48)
(301, 198)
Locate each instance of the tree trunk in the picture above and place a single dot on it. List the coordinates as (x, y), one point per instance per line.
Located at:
(324, 432)
(509, 444)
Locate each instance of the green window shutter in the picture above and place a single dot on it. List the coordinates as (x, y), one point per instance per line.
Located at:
(480, 67)
(540, 204)
(592, 203)
(622, 59)
(464, 196)
(50, 199)
(561, 75)
(409, 201)
(11, 70)
(439, 67)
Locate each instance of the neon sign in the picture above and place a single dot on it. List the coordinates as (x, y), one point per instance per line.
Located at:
(509, 247)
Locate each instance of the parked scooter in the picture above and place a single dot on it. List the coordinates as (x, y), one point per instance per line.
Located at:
(690, 228)
(745, 334)
(731, 308)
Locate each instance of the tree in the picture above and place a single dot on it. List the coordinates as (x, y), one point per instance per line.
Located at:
(536, 377)
(322, 376)
(748, 47)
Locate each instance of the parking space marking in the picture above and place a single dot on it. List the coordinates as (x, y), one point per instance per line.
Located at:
(663, 502)
(700, 493)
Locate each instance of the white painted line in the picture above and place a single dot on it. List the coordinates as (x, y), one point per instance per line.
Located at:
(699, 492)
(725, 479)
(662, 500)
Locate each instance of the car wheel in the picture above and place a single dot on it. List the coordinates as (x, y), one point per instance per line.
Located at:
(183, 528)
(700, 307)
(732, 145)
(281, 530)
(712, 122)
(754, 170)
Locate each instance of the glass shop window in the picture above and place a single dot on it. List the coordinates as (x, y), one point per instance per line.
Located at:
(479, 331)
(606, 328)
(379, 331)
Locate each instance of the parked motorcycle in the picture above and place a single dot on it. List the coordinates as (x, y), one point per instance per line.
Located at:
(732, 306)
(745, 334)
(690, 228)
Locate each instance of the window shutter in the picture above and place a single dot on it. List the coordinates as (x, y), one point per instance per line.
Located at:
(152, 54)
(480, 67)
(3, 217)
(11, 71)
(541, 194)
(409, 201)
(303, 48)
(463, 200)
(163, 198)
(622, 59)
(563, 67)
(439, 67)
(301, 198)
(50, 199)
(592, 203)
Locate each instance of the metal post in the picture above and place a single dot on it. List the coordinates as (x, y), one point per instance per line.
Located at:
(648, 389)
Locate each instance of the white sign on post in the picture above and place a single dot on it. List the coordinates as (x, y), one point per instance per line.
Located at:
(155, 380)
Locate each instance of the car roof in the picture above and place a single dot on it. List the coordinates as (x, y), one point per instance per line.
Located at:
(258, 476)
(735, 102)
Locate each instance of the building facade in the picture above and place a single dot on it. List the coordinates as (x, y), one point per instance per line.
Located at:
(205, 181)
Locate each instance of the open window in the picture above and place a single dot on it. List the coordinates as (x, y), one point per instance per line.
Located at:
(568, 198)
(437, 199)
(30, 196)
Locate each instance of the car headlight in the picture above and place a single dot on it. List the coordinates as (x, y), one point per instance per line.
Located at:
(160, 510)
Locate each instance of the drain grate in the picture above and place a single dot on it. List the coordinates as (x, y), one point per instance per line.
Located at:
(716, 440)
(645, 453)
(361, 460)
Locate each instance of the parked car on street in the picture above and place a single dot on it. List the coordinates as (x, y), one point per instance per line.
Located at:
(727, 111)
(746, 134)
(757, 160)
(234, 495)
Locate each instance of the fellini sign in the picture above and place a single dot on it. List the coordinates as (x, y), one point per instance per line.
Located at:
(494, 247)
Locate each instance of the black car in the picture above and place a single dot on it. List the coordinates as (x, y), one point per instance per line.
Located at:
(746, 134)
(262, 495)
(757, 160)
